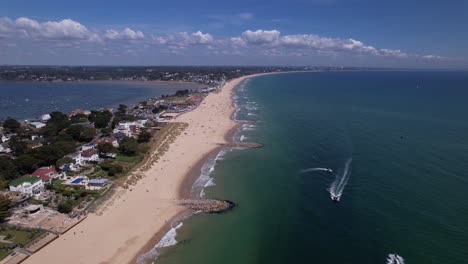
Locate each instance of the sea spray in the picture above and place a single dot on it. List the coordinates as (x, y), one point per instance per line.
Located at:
(395, 259)
(341, 179)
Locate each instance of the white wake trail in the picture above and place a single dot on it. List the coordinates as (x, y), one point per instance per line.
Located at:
(341, 179)
(316, 169)
(395, 259)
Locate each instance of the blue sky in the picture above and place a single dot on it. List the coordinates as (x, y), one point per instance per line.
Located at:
(375, 33)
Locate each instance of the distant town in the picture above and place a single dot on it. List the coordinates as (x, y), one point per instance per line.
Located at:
(54, 168)
(212, 76)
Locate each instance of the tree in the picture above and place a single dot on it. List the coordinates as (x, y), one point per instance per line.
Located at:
(27, 163)
(11, 125)
(59, 120)
(78, 118)
(64, 160)
(17, 146)
(128, 146)
(122, 109)
(8, 169)
(65, 207)
(106, 147)
(144, 137)
(100, 118)
(4, 207)
(81, 133)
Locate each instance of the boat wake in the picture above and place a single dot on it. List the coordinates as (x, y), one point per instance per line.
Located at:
(341, 179)
(317, 169)
(395, 259)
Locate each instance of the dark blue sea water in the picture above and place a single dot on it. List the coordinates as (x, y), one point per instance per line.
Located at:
(404, 137)
(31, 99)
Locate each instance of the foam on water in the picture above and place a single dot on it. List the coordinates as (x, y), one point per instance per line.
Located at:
(341, 179)
(395, 259)
(205, 179)
(316, 169)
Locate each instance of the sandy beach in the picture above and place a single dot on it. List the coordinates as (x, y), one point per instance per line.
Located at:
(130, 219)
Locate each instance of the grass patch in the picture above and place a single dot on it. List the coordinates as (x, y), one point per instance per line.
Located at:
(16, 236)
(129, 159)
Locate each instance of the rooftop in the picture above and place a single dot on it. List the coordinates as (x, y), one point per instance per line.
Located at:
(30, 179)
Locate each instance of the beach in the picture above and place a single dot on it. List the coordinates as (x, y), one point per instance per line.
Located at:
(133, 218)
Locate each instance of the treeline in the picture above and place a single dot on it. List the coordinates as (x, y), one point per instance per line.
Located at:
(178, 73)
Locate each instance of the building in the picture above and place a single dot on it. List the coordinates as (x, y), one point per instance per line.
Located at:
(97, 184)
(47, 174)
(130, 129)
(88, 146)
(77, 182)
(45, 117)
(5, 148)
(89, 155)
(37, 125)
(112, 140)
(72, 167)
(30, 185)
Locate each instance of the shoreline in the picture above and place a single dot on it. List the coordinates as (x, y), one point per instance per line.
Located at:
(142, 213)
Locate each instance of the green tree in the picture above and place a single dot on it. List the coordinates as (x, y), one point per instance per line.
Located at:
(4, 208)
(8, 169)
(122, 109)
(18, 146)
(27, 163)
(128, 146)
(106, 147)
(100, 119)
(78, 118)
(11, 125)
(59, 120)
(66, 207)
(64, 160)
(144, 137)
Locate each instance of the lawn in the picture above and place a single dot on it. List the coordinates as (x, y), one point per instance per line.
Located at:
(18, 236)
(129, 159)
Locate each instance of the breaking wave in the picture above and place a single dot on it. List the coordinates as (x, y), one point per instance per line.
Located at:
(205, 179)
(395, 259)
(341, 179)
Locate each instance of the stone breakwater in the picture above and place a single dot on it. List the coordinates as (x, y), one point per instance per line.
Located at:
(211, 206)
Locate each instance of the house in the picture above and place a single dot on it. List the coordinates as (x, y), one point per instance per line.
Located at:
(37, 125)
(5, 148)
(77, 182)
(130, 129)
(89, 155)
(7, 137)
(112, 140)
(30, 185)
(79, 112)
(97, 184)
(69, 167)
(88, 146)
(45, 117)
(47, 174)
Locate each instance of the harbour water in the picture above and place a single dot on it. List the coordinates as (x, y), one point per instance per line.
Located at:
(25, 100)
(392, 145)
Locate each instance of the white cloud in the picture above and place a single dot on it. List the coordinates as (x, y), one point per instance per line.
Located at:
(126, 34)
(65, 29)
(201, 38)
(261, 36)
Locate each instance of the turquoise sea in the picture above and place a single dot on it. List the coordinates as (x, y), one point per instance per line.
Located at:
(25, 100)
(394, 144)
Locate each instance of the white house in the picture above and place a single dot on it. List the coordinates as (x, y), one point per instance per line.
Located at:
(88, 155)
(45, 117)
(30, 185)
(37, 125)
(88, 146)
(4, 148)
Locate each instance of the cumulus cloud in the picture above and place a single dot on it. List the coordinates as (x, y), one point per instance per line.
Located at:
(71, 33)
(261, 36)
(126, 34)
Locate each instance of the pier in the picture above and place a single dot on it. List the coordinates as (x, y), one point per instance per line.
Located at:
(211, 206)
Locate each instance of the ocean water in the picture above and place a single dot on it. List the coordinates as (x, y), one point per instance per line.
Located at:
(392, 145)
(25, 100)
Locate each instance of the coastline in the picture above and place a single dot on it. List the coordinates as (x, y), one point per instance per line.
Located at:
(143, 213)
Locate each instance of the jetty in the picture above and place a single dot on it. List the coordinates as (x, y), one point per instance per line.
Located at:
(211, 206)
